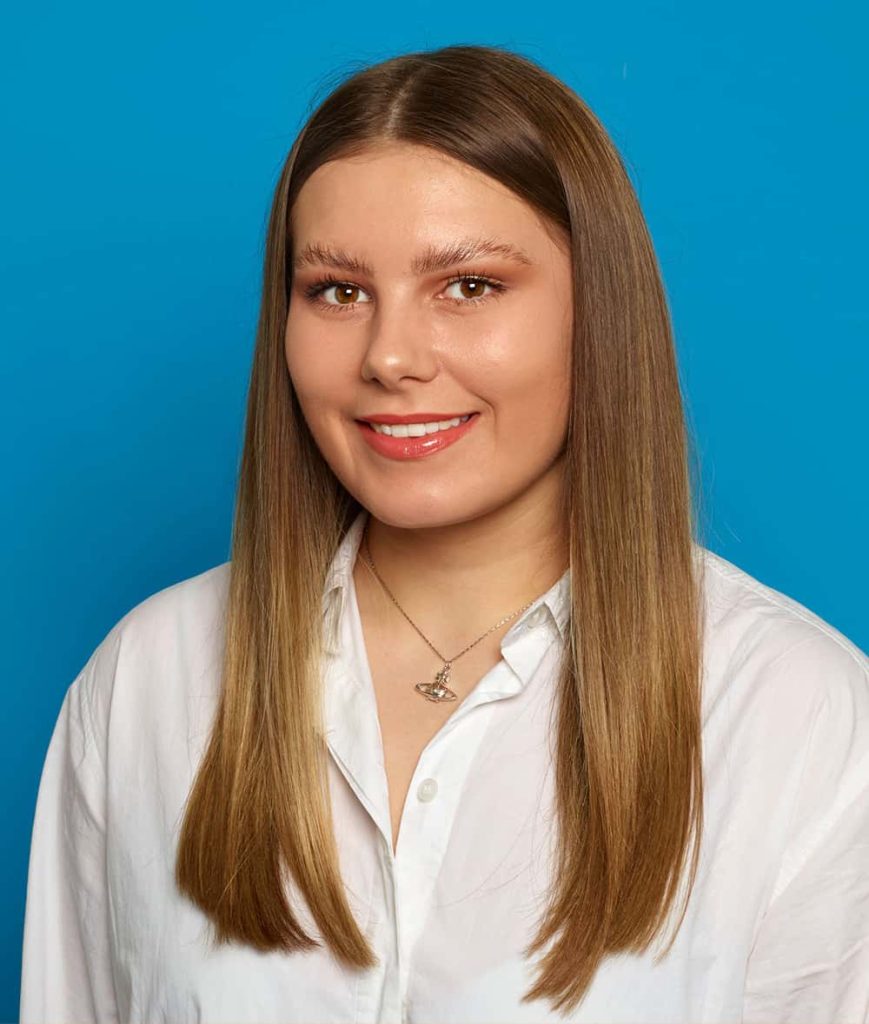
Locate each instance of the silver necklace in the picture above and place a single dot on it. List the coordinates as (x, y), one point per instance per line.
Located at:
(438, 690)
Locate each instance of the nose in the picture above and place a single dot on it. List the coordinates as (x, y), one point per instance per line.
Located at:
(399, 344)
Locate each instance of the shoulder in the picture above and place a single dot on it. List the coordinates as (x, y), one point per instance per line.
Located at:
(181, 614)
(746, 618)
(171, 639)
(766, 651)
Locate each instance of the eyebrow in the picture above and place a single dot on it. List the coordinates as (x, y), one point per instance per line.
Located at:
(430, 260)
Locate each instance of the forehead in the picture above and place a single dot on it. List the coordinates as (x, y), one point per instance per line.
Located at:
(414, 201)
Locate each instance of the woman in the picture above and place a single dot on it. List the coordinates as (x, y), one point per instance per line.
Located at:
(471, 727)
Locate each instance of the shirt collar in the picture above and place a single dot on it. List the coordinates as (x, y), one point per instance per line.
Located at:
(556, 600)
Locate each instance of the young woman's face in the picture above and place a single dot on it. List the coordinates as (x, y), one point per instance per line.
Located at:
(392, 334)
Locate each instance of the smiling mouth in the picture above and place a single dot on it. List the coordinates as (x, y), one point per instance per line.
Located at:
(418, 429)
(427, 439)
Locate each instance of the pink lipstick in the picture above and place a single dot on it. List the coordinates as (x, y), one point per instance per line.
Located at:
(413, 447)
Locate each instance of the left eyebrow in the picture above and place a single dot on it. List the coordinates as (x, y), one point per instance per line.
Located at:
(430, 260)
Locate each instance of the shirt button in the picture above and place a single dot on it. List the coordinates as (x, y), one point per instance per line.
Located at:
(427, 790)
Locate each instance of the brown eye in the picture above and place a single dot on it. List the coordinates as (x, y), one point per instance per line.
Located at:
(474, 288)
(345, 293)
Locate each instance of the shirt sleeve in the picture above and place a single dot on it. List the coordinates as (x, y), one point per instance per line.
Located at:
(810, 960)
(66, 975)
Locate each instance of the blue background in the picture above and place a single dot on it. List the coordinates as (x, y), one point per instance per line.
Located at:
(142, 146)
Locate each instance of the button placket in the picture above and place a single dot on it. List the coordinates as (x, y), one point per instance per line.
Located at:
(423, 826)
(426, 821)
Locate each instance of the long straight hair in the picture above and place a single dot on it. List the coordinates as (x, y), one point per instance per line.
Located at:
(629, 782)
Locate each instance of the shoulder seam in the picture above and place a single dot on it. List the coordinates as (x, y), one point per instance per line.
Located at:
(763, 590)
(111, 641)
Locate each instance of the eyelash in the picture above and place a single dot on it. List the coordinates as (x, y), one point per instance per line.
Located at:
(313, 290)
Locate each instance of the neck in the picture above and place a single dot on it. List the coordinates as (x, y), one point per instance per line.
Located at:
(455, 581)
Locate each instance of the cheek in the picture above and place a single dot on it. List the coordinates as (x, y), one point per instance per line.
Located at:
(524, 374)
(310, 381)
(296, 355)
(313, 373)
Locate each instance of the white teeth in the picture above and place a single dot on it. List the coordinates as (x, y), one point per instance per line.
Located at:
(418, 429)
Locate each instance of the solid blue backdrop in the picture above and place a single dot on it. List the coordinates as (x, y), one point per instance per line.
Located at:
(141, 149)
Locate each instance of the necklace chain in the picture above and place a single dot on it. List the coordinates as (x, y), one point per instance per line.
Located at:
(438, 690)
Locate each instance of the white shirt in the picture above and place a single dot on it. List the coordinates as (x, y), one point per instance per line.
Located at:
(777, 929)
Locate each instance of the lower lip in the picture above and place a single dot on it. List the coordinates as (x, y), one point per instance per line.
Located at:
(415, 447)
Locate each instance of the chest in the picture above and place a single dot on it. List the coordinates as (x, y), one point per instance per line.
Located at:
(408, 720)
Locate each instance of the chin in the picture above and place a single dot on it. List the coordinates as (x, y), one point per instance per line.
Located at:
(424, 511)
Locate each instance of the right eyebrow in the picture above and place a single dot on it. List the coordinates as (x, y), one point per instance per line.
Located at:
(431, 259)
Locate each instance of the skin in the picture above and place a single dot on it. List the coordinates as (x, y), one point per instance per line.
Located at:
(468, 535)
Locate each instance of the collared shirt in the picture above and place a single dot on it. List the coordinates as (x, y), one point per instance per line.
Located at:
(777, 927)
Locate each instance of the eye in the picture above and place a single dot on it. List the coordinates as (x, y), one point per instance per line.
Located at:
(478, 283)
(344, 291)
(317, 288)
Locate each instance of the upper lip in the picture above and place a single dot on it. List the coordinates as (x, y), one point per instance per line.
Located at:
(416, 417)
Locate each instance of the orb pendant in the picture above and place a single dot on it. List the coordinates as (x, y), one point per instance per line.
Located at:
(438, 690)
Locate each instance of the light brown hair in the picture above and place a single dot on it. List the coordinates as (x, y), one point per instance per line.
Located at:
(629, 780)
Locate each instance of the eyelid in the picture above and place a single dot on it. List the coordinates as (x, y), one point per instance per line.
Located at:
(484, 275)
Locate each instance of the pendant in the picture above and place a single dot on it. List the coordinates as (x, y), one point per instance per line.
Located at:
(438, 690)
